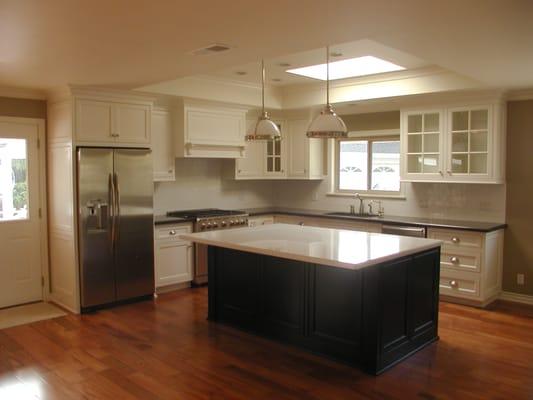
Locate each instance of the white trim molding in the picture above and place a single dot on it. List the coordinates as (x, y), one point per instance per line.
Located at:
(517, 298)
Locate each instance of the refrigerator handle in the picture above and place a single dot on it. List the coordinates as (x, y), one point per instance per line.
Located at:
(111, 207)
(117, 206)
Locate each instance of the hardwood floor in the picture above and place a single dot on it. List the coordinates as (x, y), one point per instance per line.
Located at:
(167, 350)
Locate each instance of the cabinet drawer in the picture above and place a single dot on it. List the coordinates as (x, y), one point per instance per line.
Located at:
(460, 259)
(172, 232)
(459, 283)
(457, 239)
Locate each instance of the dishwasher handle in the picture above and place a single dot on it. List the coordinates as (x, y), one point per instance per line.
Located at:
(402, 230)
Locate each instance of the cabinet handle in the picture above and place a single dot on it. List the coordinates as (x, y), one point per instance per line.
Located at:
(172, 232)
(454, 260)
(169, 171)
(441, 173)
(449, 172)
(453, 283)
(282, 170)
(455, 239)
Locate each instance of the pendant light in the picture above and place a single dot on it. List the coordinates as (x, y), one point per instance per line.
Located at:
(327, 124)
(265, 128)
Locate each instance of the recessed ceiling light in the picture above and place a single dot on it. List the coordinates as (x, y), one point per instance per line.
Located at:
(359, 66)
(335, 54)
(241, 73)
(284, 64)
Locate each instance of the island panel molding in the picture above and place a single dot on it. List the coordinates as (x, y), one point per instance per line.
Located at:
(372, 318)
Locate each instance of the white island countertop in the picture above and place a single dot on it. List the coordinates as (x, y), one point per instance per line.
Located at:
(334, 247)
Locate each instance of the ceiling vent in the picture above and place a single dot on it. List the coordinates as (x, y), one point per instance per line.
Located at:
(211, 49)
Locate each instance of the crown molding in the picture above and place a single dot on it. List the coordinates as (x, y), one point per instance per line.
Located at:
(520, 94)
(22, 93)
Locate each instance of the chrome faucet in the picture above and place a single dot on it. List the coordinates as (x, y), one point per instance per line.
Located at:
(361, 204)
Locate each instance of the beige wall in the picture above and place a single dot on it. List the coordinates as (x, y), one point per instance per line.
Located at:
(518, 252)
(372, 121)
(12, 107)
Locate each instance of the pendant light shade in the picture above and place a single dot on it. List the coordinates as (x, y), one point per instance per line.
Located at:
(327, 124)
(265, 128)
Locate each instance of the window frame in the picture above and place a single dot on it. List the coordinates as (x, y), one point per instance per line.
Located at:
(370, 137)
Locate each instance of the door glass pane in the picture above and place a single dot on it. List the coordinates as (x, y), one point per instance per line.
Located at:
(459, 142)
(478, 141)
(460, 121)
(414, 143)
(353, 160)
(431, 143)
(431, 163)
(270, 148)
(386, 166)
(277, 147)
(479, 119)
(431, 122)
(13, 179)
(414, 164)
(460, 163)
(277, 164)
(414, 123)
(478, 163)
(270, 167)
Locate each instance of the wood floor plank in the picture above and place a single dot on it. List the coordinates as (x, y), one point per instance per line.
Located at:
(166, 349)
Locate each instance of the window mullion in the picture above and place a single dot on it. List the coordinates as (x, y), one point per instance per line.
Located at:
(369, 166)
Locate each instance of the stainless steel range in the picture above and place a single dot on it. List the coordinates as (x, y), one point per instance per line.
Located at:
(209, 219)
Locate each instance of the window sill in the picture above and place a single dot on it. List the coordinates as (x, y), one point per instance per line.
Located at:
(398, 196)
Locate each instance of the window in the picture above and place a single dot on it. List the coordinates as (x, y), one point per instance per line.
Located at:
(13, 179)
(368, 165)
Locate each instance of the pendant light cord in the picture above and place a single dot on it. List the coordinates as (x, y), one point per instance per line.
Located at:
(327, 75)
(263, 84)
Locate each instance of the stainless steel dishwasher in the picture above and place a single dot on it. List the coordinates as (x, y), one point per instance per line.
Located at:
(404, 230)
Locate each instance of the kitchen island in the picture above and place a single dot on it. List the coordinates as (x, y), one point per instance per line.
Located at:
(366, 299)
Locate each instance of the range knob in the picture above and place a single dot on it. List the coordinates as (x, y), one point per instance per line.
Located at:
(231, 222)
(223, 223)
(202, 226)
(209, 225)
(215, 224)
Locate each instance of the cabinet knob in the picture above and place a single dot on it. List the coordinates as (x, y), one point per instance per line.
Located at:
(441, 173)
(455, 239)
(239, 171)
(454, 260)
(169, 171)
(282, 170)
(453, 283)
(449, 172)
(301, 224)
(172, 232)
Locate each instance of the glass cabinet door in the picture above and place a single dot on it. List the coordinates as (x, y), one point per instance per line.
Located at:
(274, 155)
(469, 147)
(424, 143)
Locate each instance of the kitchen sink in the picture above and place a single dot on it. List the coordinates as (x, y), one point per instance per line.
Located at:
(348, 214)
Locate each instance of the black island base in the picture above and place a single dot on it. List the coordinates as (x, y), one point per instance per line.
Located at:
(371, 318)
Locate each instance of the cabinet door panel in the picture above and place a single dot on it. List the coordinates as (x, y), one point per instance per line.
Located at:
(133, 123)
(163, 146)
(214, 127)
(298, 145)
(93, 121)
(173, 263)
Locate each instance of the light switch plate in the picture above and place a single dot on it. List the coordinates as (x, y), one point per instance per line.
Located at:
(520, 279)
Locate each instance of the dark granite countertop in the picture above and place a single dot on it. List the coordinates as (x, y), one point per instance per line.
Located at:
(388, 219)
(163, 219)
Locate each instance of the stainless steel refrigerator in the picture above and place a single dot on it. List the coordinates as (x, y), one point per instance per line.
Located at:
(115, 206)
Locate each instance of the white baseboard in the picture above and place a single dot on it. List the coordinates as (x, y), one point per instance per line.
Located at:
(517, 297)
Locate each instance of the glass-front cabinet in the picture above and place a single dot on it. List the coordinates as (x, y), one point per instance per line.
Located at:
(455, 144)
(469, 142)
(275, 155)
(424, 143)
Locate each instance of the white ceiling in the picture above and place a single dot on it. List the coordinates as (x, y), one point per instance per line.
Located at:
(275, 67)
(132, 43)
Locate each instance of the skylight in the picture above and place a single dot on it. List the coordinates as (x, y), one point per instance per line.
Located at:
(359, 66)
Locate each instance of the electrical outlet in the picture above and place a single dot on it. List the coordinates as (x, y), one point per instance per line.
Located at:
(520, 279)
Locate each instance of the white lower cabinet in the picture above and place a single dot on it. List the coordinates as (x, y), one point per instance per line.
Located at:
(471, 265)
(260, 220)
(173, 256)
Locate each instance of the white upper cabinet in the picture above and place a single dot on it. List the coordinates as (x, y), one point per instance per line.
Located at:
(163, 146)
(252, 165)
(101, 122)
(459, 144)
(295, 156)
(209, 131)
(306, 157)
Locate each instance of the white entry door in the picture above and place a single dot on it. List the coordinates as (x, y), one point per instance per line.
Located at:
(20, 236)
